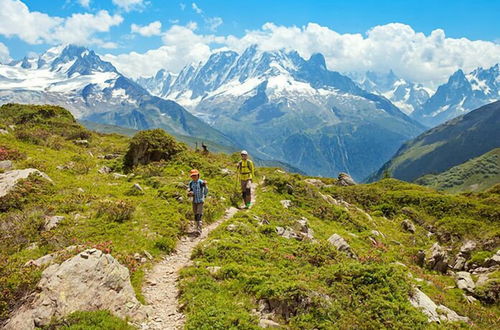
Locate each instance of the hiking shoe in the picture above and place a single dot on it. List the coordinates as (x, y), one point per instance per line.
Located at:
(247, 206)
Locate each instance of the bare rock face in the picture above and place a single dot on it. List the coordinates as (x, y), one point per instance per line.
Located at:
(91, 280)
(5, 164)
(434, 313)
(438, 259)
(464, 281)
(288, 233)
(315, 182)
(9, 179)
(345, 179)
(463, 255)
(341, 245)
(408, 226)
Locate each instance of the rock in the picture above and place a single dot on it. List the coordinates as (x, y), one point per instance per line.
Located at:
(286, 203)
(3, 131)
(266, 323)
(408, 226)
(111, 156)
(83, 143)
(464, 281)
(80, 190)
(315, 182)
(143, 260)
(213, 270)
(42, 261)
(148, 255)
(104, 170)
(52, 221)
(119, 176)
(232, 227)
(341, 245)
(488, 289)
(459, 263)
(288, 233)
(6, 164)
(438, 259)
(225, 171)
(463, 255)
(420, 258)
(94, 282)
(9, 179)
(435, 313)
(470, 299)
(376, 233)
(345, 179)
(137, 187)
(493, 261)
(137, 256)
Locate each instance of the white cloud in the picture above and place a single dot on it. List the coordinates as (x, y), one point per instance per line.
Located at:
(213, 23)
(84, 3)
(40, 28)
(182, 46)
(427, 59)
(182, 5)
(129, 5)
(152, 29)
(196, 8)
(4, 54)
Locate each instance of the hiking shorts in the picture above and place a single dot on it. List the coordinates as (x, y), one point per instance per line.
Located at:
(245, 184)
(198, 208)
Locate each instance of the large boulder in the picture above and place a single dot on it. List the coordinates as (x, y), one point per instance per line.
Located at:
(408, 226)
(9, 179)
(345, 179)
(341, 245)
(464, 281)
(463, 255)
(434, 313)
(91, 280)
(438, 259)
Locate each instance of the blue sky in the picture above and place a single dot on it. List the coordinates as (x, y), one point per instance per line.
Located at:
(216, 23)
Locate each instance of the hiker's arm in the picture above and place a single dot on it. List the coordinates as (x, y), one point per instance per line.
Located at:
(205, 190)
(252, 169)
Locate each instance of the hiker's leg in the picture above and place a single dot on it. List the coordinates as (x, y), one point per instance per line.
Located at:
(248, 191)
(199, 214)
(244, 190)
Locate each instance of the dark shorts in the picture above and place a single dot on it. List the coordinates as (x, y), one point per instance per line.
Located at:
(246, 184)
(198, 208)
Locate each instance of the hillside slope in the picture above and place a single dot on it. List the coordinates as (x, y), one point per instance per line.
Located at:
(447, 145)
(477, 174)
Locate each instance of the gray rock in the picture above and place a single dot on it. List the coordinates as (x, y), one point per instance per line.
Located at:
(91, 280)
(464, 281)
(286, 203)
(493, 261)
(341, 245)
(463, 255)
(111, 156)
(119, 176)
(434, 313)
(3, 131)
(148, 255)
(266, 323)
(51, 222)
(213, 270)
(408, 226)
(6, 164)
(232, 227)
(288, 233)
(9, 179)
(345, 179)
(438, 259)
(137, 187)
(315, 182)
(104, 170)
(80, 190)
(83, 143)
(225, 171)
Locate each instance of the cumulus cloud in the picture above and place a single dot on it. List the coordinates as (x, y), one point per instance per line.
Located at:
(40, 28)
(4, 54)
(196, 8)
(129, 5)
(428, 59)
(213, 23)
(181, 46)
(152, 29)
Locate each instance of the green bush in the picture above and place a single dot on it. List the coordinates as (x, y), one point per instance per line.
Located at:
(115, 211)
(34, 188)
(95, 320)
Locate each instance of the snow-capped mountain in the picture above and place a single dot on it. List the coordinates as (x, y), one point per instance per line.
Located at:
(407, 96)
(76, 78)
(281, 106)
(461, 94)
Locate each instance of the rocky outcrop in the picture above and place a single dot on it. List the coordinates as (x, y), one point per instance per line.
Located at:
(286, 203)
(408, 226)
(463, 255)
(438, 259)
(464, 281)
(91, 280)
(303, 229)
(5, 164)
(345, 179)
(288, 233)
(434, 313)
(9, 179)
(315, 182)
(341, 245)
(51, 222)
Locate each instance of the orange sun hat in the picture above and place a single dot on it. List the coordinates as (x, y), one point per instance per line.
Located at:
(194, 172)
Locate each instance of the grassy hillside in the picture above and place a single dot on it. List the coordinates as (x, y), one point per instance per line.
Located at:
(446, 145)
(244, 265)
(477, 174)
(100, 210)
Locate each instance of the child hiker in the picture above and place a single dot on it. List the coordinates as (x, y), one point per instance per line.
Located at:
(198, 190)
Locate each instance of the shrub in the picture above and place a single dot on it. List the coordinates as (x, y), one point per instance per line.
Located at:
(33, 188)
(10, 154)
(115, 211)
(90, 320)
(165, 244)
(151, 146)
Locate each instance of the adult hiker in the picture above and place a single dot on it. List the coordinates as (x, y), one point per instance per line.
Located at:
(245, 170)
(198, 190)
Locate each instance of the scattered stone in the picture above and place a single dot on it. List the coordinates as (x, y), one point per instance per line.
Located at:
(341, 245)
(83, 143)
(434, 313)
(438, 259)
(463, 255)
(6, 164)
(42, 261)
(119, 176)
(286, 203)
(225, 171)
(493, 261)
(3, 131)
(280, 171)
(261, 221)
(470, 299)
(143, 260)
(9, 179)
(104, 170)
(464, 281)
(111, 156)
(288, 233)
(137, 256)
(213, 270)
(80, 190)
(345, 179)
(376, 233)
(420, 258)
(137, 187)
(148, 255)
(408, 226)
(232, 227)
(266, 323)
(315, 182)
(51, 222)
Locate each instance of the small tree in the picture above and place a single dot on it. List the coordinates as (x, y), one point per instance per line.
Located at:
(151, 146)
